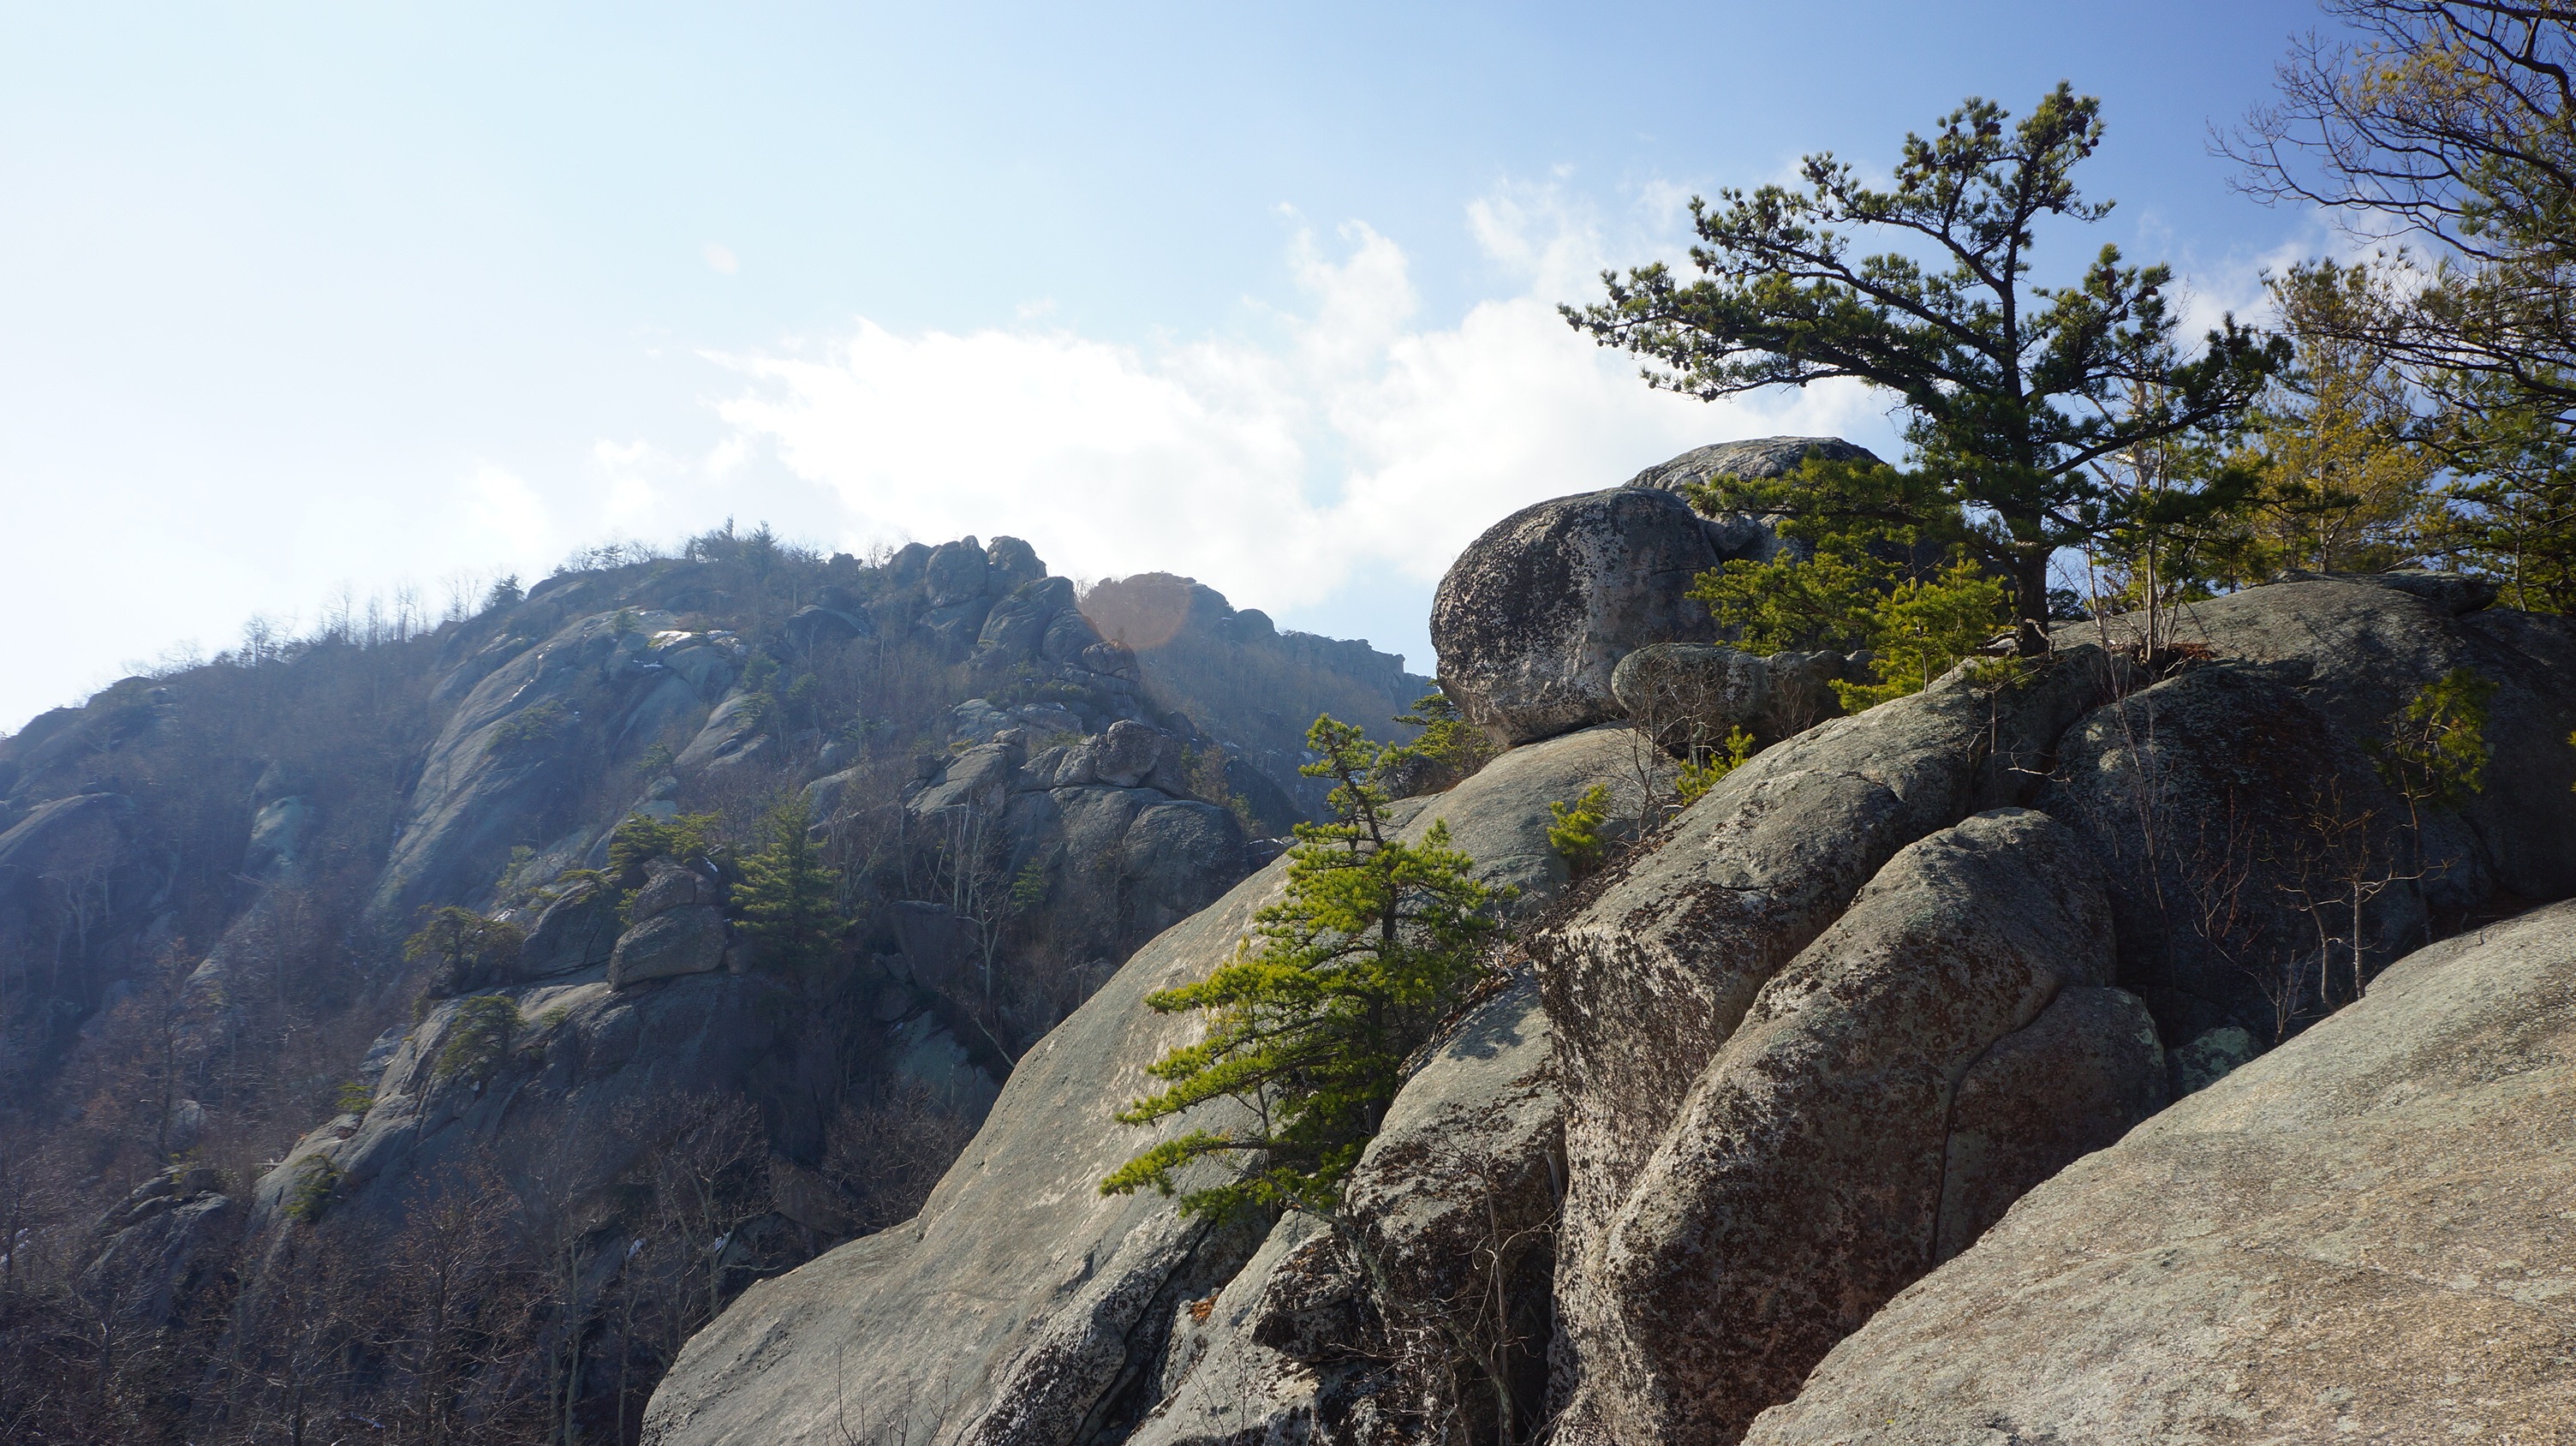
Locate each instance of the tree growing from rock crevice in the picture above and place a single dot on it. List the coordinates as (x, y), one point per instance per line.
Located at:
(1311, 1022)
(788, 897)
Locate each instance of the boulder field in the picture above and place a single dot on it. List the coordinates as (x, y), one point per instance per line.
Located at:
(1895, 1090)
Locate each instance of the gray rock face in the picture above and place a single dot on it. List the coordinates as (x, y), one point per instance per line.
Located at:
(577, 931)
(2230, 769)
(1533, 616)
(1455, 1197)
(277, 837)
(817, 626)
(1022, 1304)
(1680, 691)
(1805, 1178)
(1017, 629)
(2357, 1236)
(954, 573)
(517, 746)
(1648, 984)
(589, 1086)
(1105, 831)
(1175, 854)
(2068, 1083)
(687, 939)
(1129, 753)
(669, 886)
(162, 1245)
(730, 732)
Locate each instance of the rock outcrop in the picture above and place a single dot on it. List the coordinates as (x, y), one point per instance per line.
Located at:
(2229, 797)
(1217, 664)
(160, 1248)
(1535, 615)
(1454, 1199)
(1689, 694)
(1813, 1169)
(2359, 1236)
(1022, 1305)
(1757, 458)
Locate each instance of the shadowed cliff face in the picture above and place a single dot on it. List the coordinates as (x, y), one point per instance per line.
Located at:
(207, 878)
(1226, 669)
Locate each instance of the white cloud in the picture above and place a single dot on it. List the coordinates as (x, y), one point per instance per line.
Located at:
(504, 506)
(1336, 446)
(720, 258)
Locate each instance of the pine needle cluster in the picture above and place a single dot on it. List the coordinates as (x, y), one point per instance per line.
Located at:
(1310, 1023)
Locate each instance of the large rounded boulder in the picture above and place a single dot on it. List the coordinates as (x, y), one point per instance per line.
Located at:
(1535, 614)
(1533, 617)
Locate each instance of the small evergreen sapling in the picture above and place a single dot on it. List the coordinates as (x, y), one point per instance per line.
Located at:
(788, 895)
(478, 1037)
(1576, 832)
(1311, 1021)
(467, 948)
(2436, 750)
(1457, 746)
(1919, 630)
(1698, 776)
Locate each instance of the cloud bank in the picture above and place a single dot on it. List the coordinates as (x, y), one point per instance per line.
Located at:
(1342, 446)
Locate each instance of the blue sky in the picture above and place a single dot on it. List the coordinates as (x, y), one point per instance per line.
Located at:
(302, 297)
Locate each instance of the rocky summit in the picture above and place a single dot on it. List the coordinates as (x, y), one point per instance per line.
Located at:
(1940, 1074)
(2112, 1042)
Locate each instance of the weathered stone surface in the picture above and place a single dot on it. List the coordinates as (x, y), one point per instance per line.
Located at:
(1738, 534)
(1682, 692)
(1130, 752)
(1760, 457)
(2068, 1083)
(2209, 794)
(161, 1246)
(731, 730)
(689, 939)
(1102, 831)
(511, 750)
(2359, 1236)
(577, 931)
(1533, 616)
(1178, 857)
(1021, 1303)
(1647, 981)
(668, 886)
(277, 836)
(954, 573)
(1803, 1180)
(1015, 631)
(1455, 1196)
(1009, 564)
(1500, 817)
(816, 626)
(591, 1084)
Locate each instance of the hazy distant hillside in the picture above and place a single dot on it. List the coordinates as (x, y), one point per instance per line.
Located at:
(208, 878)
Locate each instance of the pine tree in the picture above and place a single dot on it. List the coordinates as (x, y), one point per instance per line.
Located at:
(788, 894)
(2012, 392)
(1448, 741)
(2347, 482)
(1309, 1025)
